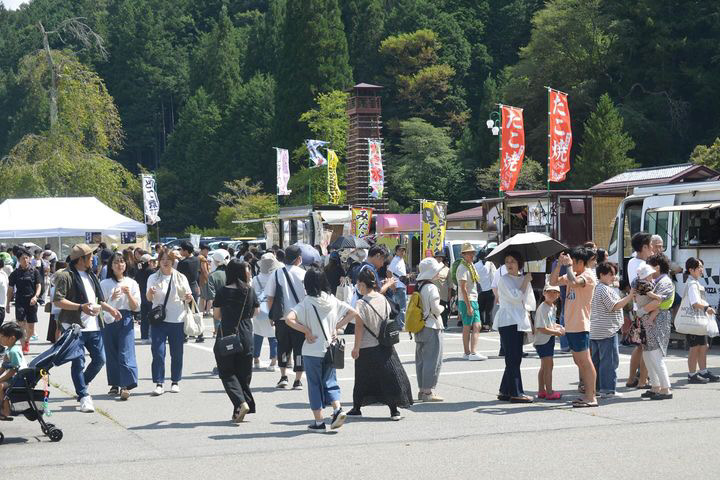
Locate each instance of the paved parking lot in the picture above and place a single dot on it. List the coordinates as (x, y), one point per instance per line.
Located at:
(469, 435)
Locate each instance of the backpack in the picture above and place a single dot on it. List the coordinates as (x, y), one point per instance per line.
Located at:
(453, 271)
(389, 332)
(414, 316)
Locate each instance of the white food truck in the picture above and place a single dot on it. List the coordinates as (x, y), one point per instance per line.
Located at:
(686, 215)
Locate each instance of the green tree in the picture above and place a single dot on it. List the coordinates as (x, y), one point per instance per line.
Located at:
(191, 171)
(707, 155)
(365, 28)
(219, 60)
(243, 200)
(604, 149)
(425, 166)
(532, 177)
(71, 157)
(315, 60)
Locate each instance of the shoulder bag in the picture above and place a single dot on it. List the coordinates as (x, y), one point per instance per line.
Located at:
(193, 321)
(277, 310)
(231, 344)
(335, 353)
(690, 320)
(389, 332)
(159, 312)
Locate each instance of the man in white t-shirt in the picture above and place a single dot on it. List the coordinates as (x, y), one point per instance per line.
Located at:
(486, 296)
(79, 296)
(290, 342)
(641, 244)
(399, 271)
(468, 308)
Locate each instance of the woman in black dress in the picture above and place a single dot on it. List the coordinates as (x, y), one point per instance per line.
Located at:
(234, 306)
(379, 375)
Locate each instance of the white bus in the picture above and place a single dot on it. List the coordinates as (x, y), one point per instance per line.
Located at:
(686, 215)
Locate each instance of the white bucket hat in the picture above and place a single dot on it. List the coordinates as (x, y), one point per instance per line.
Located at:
(268, 263)
(429, 267)
(645, 271)
(220, 256)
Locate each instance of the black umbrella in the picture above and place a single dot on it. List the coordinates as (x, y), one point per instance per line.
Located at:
(532, 246)
(348, 241)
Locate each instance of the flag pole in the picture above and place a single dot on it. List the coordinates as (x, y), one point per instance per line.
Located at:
(547, 217)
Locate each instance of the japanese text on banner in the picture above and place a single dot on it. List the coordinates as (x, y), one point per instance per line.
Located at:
(283, 171)
(433, 226)
(150, 199)
(513, 147)
(313, 147)
(376, 180)
(334, 192)
(559, 136)
(361, 218)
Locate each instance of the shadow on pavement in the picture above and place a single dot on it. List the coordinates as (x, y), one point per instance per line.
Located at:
(287, 434)
(176, 425)
(435, 407)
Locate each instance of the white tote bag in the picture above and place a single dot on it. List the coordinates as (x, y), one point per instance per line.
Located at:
(193, 321)
(690, 320)
(345, 290)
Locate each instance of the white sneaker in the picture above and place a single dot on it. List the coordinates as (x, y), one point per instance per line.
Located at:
(476, 357)
(159, 390)
(86, 404)
(175, 388)
(611, 395)
(271, 368)
(466, 356)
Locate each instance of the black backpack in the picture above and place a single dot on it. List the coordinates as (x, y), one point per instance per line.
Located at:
(389, 332)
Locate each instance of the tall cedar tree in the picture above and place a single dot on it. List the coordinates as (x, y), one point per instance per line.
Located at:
(315, 60)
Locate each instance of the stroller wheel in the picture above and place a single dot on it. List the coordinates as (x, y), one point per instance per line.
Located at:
(55, 435)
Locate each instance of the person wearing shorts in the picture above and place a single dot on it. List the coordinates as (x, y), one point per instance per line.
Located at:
(25, 285)
(468, 307)
(546, 329)
(580, 285)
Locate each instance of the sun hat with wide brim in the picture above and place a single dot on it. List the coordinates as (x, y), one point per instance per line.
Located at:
(467, 248)
(429, 267)
(268, 263)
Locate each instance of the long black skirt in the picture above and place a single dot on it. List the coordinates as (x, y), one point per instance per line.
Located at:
(381, 379)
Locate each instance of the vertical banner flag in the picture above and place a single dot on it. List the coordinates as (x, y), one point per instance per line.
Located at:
(313, 147)
(361, 218)
(559, 136)
(513, 147)
(332, 181)
(376, 181)
(283, 171)
(150, 199)
(433, 226)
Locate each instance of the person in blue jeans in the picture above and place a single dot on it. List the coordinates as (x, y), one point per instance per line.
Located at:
(606, 318)
(79, 296)
(170, 288)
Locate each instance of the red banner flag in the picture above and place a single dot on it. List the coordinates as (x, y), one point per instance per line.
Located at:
(513, 147)
(559, 136)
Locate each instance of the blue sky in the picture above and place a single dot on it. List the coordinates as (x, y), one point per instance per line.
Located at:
(13, 4)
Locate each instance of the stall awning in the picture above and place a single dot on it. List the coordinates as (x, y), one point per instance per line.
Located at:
(692, 207)
(336, 217)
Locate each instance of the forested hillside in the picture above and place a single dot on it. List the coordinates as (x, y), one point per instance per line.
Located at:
(200, 91)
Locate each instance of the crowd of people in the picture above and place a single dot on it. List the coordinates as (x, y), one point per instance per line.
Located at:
(303, 308)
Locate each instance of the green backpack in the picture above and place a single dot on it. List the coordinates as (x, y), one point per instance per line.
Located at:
(453, 271)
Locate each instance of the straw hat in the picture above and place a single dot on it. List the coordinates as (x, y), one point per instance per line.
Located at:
(429, 267)
(268, 263)
(467, 248)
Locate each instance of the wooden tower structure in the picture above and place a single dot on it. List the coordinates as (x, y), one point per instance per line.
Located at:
(365, 112)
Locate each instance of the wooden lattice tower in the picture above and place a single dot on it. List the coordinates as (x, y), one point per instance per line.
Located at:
(365, 112)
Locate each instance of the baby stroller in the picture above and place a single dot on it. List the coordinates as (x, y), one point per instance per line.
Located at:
(21, 393)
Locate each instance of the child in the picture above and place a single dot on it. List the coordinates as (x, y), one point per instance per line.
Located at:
(10, 334)
(643, 287)
(545, 332)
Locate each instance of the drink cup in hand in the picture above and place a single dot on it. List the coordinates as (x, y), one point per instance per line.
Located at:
(95, 308)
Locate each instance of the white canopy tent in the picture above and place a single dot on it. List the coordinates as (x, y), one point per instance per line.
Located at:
(55, 218)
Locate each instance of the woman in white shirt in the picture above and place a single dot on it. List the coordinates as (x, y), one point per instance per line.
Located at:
(168, 282)
(123, 293)
(262, 328)
(429, 340)
(698, 344)
(512, 320)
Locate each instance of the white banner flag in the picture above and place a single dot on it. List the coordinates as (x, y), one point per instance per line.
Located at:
(150, 200)
(283, 171)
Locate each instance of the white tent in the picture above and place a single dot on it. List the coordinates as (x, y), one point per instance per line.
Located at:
(62, 217)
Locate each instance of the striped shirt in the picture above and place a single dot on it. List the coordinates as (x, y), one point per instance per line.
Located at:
(604, 322)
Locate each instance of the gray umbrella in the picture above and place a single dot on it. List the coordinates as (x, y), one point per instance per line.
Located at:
(309, 254)
(348, 241)
(532, 246)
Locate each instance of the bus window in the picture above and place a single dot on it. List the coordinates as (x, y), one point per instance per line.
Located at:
(612, 248)
(633, 215)
(658, 223)
(701, 228)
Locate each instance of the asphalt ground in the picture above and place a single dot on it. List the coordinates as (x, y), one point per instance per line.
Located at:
(470, 434)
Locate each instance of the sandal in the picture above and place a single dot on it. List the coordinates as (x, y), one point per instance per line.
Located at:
(632, 384)
(523, 399)
(584, 404)
(503, 398)
(3, 418)
(553, 396)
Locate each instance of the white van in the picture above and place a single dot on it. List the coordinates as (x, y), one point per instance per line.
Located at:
(686, 215)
